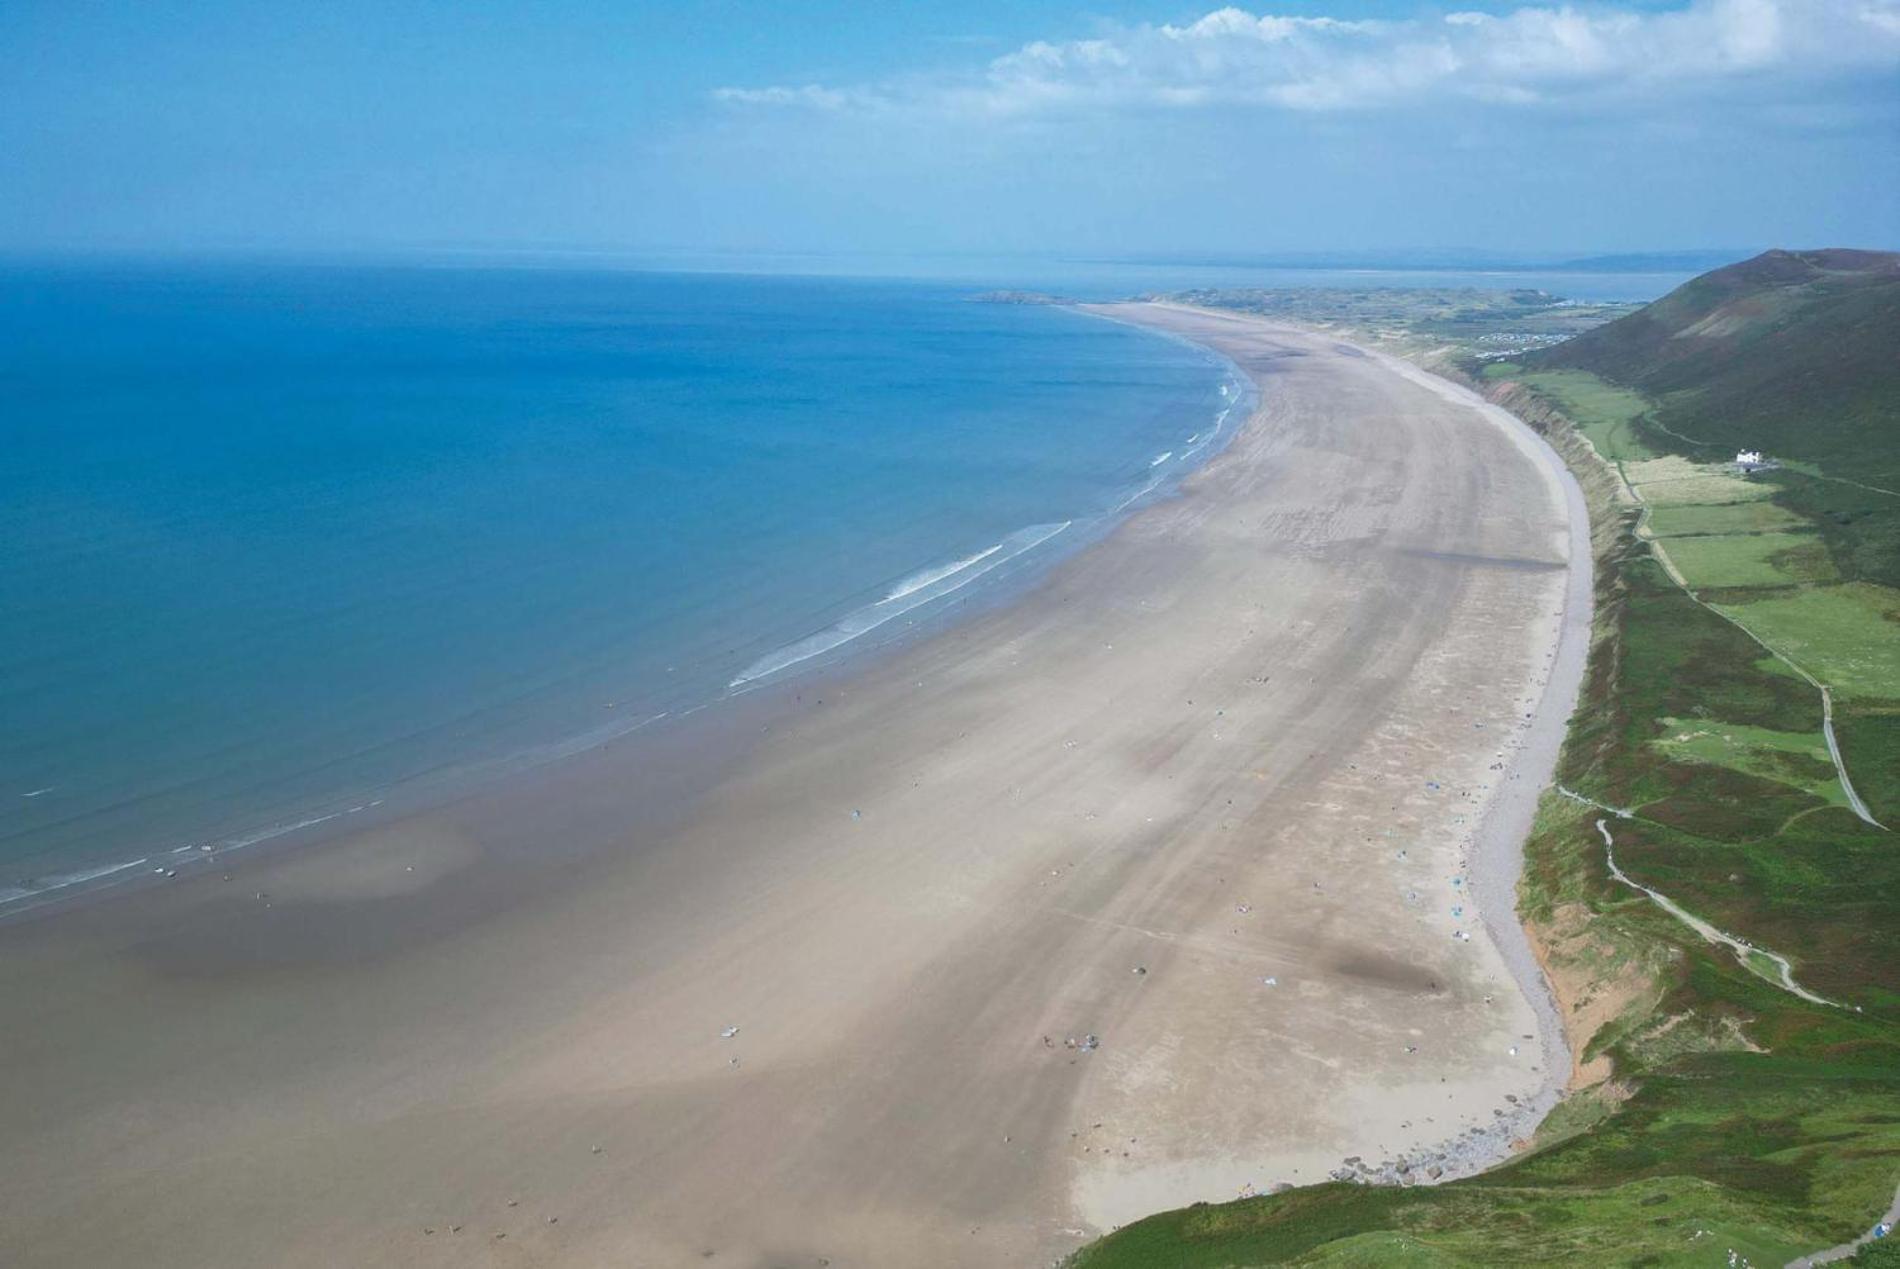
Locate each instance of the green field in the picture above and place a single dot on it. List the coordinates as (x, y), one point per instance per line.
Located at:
(1752, 559)
(1862, 526)
(1848, 636)
(1606, 414)
(1798, 759)
(1735, 517)
(1674, 482)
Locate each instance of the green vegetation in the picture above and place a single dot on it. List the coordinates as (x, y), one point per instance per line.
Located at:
(1884, 1254)
(1869, 733)
(1791, 353)
(1752, 559)
(1797, 759)
(1848, 636)
(1608, 416)
(1861, 525)
(1732, 517)
(1675, 481)
(1756, 1122)
(1751, 836)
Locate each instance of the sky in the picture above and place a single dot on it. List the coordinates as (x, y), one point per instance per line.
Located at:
(949, 126)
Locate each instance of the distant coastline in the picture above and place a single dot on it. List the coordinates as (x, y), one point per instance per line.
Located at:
(1032, 298)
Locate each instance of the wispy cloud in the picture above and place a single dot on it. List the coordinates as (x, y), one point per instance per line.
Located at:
(808, 96)
(1525, 57)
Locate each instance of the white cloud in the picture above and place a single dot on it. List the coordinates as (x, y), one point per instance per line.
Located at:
(812, 96)
(1528, 56)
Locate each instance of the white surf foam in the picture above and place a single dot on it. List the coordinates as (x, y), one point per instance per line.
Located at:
(931, 576)
(65, 881)
(18, 898)
(913, 592)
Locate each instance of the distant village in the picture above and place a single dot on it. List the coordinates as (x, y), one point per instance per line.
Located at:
(1503, 345)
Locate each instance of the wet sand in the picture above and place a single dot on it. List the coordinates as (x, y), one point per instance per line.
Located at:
(1252, 736)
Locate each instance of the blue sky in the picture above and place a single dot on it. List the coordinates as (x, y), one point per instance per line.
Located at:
(976, 126)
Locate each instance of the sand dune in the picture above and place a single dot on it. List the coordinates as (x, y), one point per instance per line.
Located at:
(1209, 795)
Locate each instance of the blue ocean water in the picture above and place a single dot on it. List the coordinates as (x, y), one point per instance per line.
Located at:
(275, 539)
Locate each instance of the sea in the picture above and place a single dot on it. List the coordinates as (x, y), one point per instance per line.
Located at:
(282, 540)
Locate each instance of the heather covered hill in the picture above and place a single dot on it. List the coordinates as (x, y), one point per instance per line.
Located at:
(1794, 352)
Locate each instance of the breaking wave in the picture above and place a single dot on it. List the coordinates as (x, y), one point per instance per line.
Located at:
(905, 596)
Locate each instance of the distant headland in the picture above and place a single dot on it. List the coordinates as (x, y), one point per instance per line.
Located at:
(1019, 297)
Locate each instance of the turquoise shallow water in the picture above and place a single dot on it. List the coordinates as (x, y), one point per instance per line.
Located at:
(276, 539)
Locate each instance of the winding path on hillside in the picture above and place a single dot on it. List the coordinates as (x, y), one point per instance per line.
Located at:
(1742, 948)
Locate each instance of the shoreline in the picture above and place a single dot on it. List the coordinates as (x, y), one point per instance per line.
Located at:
(826, 985)
(1500, 840)
(316, 824)
(1495, 853)
(1498, 846)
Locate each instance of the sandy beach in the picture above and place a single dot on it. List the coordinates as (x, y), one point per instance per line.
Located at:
(1185, 875)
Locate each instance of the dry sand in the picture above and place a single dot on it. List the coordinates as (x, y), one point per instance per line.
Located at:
(1251, 736)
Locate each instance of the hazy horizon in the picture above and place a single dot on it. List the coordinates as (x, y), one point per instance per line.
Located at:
(1125, 130)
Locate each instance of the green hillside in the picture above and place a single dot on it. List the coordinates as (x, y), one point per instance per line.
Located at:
(1793, 352)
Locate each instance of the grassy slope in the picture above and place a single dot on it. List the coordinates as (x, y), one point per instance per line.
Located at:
(1790, 352)
(1793, 353)
(1758, 1122)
